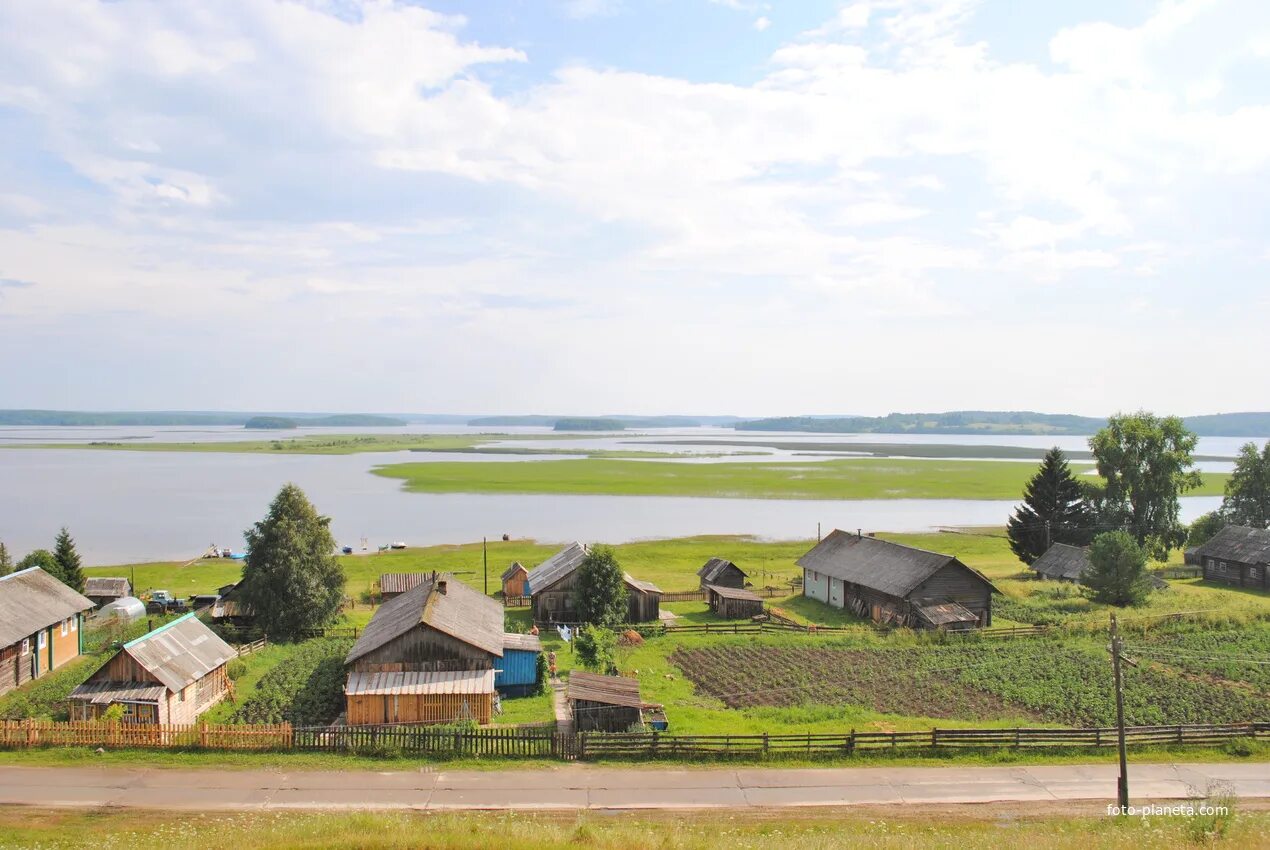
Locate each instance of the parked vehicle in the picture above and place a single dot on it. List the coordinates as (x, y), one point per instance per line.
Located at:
(347, 550)
(163, 602)
(397, 544)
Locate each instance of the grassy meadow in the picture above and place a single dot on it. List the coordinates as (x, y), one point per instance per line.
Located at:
(854, 478)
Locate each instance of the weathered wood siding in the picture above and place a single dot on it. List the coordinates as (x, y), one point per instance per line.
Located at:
(122, 668)
(422, 646)
(554, 604)
(729, 577)
(643, 606)
(365, 710)
(602, 717)
(958, 584)
(1237, 574)
(515, 586)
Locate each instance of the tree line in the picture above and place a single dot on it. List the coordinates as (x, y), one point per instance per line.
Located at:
(63, 563)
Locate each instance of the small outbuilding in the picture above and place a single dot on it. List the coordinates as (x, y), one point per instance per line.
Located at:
(733, 603)
(551, 585)
(514, 580)
(395, 584)
(721, 573)
(168, 676)
(103, 591)
(1062, 562)
(517, 673)
(230, 608)
(945, 616)
(1237, 555)
(127, 610)
(419, 696)
(605, 703)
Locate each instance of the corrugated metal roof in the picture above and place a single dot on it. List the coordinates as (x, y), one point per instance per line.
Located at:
(460, 612)
(107, 587)
(388, 684)
(401, 582)
(104, 693)
(943, 613)
(891, 568)
(556, 567)
(526, 643)
(516, 567)
(1061, 561)
(181, 652)
(734, 593)
(1238, 543)
(31, 600)
(611, 690)
(715, 567)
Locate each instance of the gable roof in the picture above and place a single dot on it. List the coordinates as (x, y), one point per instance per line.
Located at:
(645, 586)
(400, 582)
(460, 612)
(715, 567)
(31, 600)
(556, 567)
(1062, 561)
(611, 690)
(891, 568)
(733, 593)
(180, 652)
(516, 566)
(107, 587)
(1238, 543)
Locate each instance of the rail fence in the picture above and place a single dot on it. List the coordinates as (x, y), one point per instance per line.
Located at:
(546, 743)
(698, 595)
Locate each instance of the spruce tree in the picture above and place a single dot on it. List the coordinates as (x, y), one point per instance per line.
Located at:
(69, 562)
(1054, 510)
(1117, 571)
(292, 580)
(6, 562)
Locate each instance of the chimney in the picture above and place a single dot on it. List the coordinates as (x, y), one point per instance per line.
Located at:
(441, 587)
(859, 534)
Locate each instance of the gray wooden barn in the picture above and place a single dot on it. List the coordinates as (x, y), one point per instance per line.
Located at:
(721, 573)
(1237, 555)
(551, 585)
(604, 703)
(733, 603)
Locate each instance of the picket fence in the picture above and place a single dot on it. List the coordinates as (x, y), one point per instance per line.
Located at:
(546, 743)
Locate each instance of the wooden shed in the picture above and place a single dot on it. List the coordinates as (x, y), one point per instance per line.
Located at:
(604, 703)
(395, 584)
(517, 673)
(1238, 556)
(721, 573)
(103, 591)
(888, 582)
(733, 603)
(1062, 562)
(41, 623)
(514, 580)
(439, 626)
(168, 676)
(551, 585)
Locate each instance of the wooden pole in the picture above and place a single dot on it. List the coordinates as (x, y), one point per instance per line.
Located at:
(1122, 783)
(485, 562)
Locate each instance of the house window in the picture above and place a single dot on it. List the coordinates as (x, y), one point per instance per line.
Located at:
(1219, 567)
(181, 696)
(75, 624)
(1254, 573)
(26, 646)
(41, 640)
(66, 627)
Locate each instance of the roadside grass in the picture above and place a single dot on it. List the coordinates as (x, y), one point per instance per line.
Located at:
(1078, 825)
(854, 478)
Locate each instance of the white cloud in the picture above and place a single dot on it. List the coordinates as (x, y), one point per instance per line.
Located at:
(761, 23)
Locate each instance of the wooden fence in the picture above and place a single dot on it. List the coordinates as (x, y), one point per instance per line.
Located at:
(254, 646)
(698, 595)
(546, 743)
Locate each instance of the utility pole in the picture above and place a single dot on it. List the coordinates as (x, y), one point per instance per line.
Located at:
(1049, 543)
(817, 532)
(485, 562)
(1122, 784)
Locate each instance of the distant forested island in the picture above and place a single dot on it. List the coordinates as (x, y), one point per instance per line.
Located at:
(42, 418)
(625, 421)
(997, 422)
(583, 423)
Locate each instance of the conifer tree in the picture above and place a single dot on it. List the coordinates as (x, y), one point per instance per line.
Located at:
(1054, 510)
(68, 561)
(1117, 571)
(6, 562)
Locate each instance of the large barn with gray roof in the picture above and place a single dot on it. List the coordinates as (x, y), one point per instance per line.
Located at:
(896, 585)
(1237, 555)
(551, 586)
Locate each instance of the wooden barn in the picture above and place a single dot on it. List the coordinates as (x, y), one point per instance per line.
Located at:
(721, 573)
(103, 591)
(551, 585)
(514, 580)
(41, 623)
(395, 584)
(733, 603)
(604, 703)
(1238, 556)
(230, 608)
(893, 584)
(431, 655)
(1062, 562)
(168, 676)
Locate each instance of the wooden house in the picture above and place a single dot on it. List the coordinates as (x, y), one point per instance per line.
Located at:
(230, 608)
(551, 586)
(395, 584)
(168, 676)
(893, 584)
(103, 591)
(1238, 556)
(721, 573)
(733, 603)
(1062, 562)
(604, 703)
(431, 655)
(41, 623)
(514, 580)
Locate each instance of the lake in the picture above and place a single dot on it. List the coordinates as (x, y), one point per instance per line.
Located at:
(140, 506)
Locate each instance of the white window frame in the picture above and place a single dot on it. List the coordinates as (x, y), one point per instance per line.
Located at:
(75, 623)
(1219, 567)
(66, 627)
(26, 646)
(41, 639)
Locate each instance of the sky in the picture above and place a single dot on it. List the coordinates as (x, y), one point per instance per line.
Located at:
(635, 206)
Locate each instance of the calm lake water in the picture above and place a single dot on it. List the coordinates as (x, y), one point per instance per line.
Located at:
(140, 506)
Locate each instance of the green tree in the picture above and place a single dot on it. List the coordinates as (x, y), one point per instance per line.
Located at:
(596, 649)
(6, 561)
(1145, 462)
(68, 559)
(1204, 527)
(1117, 571)
(291, 579)
(43, 559)
(600, 596)
(1247, 499)
(1054, 510)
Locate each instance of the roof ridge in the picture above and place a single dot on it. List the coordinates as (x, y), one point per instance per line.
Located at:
(22, 571)
(161, 628)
